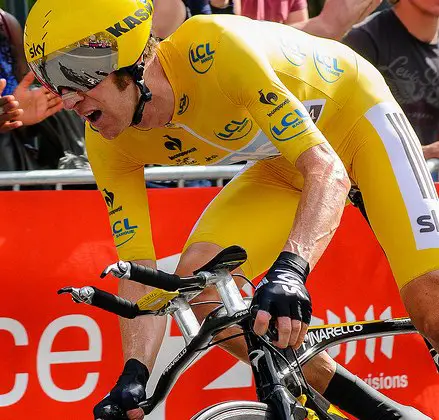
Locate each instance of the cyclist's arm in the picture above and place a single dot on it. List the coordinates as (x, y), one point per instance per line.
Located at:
(121, 182)
(292, 132)
(321, 205)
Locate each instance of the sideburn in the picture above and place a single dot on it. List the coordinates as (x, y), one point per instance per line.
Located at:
(122, 79)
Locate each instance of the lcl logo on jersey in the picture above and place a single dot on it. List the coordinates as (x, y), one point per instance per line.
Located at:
(201, 57)
(328, 67)
(291, 125)
(123, 231)
(292, 52)
(235, 130)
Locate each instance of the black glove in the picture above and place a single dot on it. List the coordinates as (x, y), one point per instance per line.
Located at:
(128, 392)
(282, 291)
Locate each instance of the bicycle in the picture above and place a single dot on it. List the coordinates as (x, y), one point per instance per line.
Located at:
(281, 387)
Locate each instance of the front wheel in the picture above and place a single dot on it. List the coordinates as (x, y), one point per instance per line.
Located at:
(236, 410)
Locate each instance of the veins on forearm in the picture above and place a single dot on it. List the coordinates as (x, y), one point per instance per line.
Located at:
(319, 211)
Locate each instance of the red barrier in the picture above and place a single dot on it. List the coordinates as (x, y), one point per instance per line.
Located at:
(58, 359)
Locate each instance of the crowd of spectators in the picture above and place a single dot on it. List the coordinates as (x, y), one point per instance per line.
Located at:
(400, 37)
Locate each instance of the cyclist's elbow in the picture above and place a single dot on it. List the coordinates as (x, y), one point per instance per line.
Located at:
(341, 176)
(321, 164)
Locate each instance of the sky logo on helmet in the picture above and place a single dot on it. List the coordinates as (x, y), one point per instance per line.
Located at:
(328, 67)
(37, 50)
(201, 57)
(130, 22)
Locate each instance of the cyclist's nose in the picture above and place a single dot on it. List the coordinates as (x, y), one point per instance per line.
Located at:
(70, 98)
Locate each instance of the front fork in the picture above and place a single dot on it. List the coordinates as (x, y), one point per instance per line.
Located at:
(269, 388)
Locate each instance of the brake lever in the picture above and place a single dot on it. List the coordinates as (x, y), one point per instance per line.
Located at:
(121, 270)
(79, 295)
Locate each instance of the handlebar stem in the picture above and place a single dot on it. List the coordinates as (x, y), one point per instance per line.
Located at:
(185, 319)
(229, 292)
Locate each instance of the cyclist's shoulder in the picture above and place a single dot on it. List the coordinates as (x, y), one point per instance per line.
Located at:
(212, 28)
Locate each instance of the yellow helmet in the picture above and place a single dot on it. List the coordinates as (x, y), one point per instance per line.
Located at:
(75, 44)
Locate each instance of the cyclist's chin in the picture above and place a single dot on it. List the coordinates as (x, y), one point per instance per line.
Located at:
(110, 129)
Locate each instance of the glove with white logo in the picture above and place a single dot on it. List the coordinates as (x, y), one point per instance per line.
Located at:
(282, 292)
(126, 395)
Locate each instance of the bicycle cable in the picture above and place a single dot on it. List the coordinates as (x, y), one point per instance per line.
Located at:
(290, 367)
(214, 343)
(301, 370)
(207, 302)
(245, 278)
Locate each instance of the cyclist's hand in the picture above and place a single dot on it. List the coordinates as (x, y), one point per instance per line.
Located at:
(282, 295)
(123, 400)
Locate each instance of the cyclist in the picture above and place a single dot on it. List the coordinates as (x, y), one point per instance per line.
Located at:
(309, 114)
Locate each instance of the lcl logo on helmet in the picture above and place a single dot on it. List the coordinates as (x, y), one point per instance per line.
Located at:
(130, 21)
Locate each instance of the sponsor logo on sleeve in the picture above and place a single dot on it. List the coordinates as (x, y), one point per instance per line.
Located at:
(123, 231)
(292, 52)
(291, 125)
(235, 130)
(272, 99)
(183, 105)
(328, 67)
(269, 99)
(109, 201)
(201, 57)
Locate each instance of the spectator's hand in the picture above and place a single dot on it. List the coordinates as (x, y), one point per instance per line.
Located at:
(10, 113)
(37, 104)
(431, 150)
(343, 14)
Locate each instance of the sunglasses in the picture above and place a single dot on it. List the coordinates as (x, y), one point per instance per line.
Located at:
(78, 67)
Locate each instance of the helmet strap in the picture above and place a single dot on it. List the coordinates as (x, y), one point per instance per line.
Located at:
(136, 72)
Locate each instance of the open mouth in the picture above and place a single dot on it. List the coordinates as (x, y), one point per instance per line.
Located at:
(94, 116)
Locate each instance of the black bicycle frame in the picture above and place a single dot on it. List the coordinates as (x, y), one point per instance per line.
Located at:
(322, 337)
(268, 386)
(210, 327)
